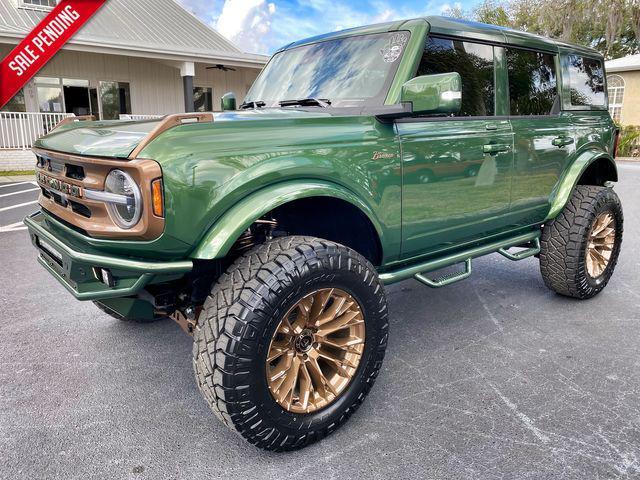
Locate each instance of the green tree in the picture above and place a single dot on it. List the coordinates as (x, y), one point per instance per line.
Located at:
(610, 26)
(493, 13)
(455, 12)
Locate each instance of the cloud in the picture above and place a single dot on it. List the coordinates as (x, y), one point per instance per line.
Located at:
(262, 26)
(247, 23)
(446, 7)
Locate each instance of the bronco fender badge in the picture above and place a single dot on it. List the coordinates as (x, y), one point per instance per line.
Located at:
(382, 155)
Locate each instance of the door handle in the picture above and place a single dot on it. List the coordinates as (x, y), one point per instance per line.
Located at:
(493, 148)
(562, 141)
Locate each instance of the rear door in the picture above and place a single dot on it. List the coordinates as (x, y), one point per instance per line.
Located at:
(584, 99)
(456, 170)
(544, 135)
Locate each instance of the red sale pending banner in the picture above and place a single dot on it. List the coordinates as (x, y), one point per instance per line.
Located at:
(42, 43)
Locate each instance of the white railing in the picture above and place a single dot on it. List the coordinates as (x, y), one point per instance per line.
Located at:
(18, 130)
(129, 116)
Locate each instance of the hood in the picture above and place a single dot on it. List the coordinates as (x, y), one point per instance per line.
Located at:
(117, 139)
(97, 139)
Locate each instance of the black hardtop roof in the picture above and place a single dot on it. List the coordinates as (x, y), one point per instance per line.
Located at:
(460, 28)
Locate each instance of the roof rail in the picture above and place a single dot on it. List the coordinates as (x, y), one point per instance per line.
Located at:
(81, 118)
(167, 123)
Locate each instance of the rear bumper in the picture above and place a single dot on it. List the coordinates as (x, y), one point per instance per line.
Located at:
(78, 267)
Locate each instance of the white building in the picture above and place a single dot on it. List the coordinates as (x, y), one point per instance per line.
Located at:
(623, 82)
(133, 58)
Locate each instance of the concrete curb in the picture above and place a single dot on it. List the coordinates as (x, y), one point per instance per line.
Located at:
(17, 178)
(628, 159)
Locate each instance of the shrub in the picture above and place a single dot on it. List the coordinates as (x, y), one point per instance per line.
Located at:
(629, 145)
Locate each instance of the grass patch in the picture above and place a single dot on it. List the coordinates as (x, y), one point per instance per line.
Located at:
(15, 173)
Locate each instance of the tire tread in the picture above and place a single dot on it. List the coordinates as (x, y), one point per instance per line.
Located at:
(224, 337)
(563, 242)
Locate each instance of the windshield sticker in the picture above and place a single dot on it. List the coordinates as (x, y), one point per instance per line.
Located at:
(393, 49)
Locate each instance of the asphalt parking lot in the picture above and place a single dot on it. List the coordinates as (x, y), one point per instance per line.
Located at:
(494, 377)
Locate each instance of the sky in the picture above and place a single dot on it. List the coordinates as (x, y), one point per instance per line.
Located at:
(262, 26)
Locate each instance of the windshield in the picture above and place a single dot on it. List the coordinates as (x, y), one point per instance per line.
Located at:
(345, 72)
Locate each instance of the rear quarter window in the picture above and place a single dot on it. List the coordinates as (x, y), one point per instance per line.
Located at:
(586, 82)
(533, 88)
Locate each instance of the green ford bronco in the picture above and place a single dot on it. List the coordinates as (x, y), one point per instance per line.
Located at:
(358, 159)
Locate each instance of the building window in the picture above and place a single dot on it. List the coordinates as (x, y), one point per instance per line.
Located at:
(50, 99)
(533, 86)
(16, 104)
(474, 63)
(202, 99)
(615, 89)
(58, 95)
(38, 4)
(115, 98)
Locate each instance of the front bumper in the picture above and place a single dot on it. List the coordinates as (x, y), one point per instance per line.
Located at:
(78, 267)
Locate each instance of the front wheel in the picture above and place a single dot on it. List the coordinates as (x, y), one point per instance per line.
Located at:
(580, 247)
(290, 341)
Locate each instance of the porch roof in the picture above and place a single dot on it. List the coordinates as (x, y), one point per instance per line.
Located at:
(624, 64)
(146, 28)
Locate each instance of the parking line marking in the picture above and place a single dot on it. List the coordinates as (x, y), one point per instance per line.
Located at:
(21, 191)
(14, 227)
(16, 184)
(4, 209)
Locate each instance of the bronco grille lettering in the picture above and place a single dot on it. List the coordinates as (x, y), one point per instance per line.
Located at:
(58, 185)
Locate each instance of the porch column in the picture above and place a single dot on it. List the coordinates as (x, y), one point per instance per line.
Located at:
(187, 72)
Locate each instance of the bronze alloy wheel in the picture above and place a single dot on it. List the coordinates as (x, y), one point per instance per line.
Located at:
(315, 350)
(323, 356)
(602, 238)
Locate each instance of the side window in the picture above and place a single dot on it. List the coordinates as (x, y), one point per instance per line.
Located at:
(474, 63)
(586, 81)
(533, 88)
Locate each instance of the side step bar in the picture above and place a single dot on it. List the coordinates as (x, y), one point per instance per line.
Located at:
(501, 246)
(522, 254)
(446, 279)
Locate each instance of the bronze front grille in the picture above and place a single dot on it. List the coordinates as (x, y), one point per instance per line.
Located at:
(64, 178)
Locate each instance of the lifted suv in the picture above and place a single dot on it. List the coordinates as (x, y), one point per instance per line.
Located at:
(358, 159)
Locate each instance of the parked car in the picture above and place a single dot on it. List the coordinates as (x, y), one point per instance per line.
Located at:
(268, 231)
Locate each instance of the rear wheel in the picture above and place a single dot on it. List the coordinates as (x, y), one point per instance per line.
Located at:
(427, 176)
(472, 171)
(291, 340)
(580, 247)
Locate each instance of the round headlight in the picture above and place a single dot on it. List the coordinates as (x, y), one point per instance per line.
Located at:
(126, 213)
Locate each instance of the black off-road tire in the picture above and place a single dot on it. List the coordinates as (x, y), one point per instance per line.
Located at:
(564, 243)
(122, 318)
(240, 317)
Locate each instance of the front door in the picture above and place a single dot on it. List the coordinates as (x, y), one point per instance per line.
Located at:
(456, 170)
(456, 181)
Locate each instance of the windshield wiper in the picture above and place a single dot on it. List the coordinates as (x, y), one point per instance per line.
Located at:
(320, 102)
(258, 104)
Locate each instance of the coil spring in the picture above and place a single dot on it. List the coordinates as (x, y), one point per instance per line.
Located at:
(247, 240)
